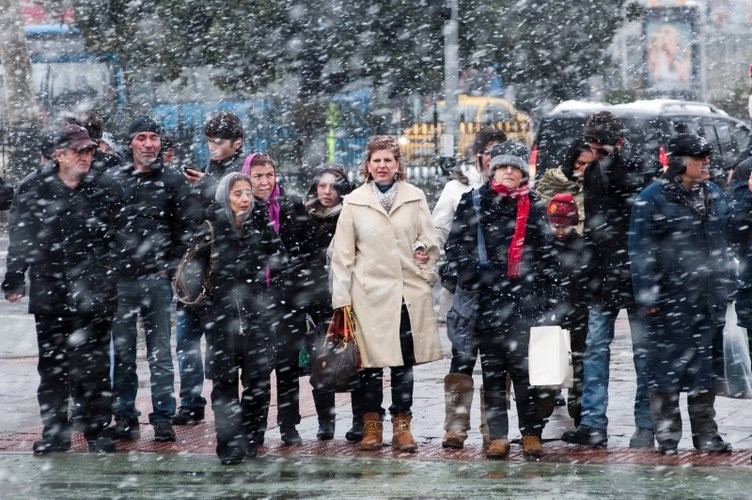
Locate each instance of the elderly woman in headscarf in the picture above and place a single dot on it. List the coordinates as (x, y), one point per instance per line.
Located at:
(324, 204)
(241, 344)
(289, 218)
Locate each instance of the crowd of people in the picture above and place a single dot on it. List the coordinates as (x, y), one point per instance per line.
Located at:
(100, 236)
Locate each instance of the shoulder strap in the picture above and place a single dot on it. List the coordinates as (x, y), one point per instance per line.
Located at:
(482, 255)
(212, 246)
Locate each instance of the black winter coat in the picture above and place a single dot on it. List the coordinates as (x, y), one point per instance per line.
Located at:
(740, 233)
(611, 187)
(64, 238)
(159, 215)
(501, 297)
(322, 231)
(242, 303)
(214, 171)
(574, 256)
(679, 260)
(295, 232)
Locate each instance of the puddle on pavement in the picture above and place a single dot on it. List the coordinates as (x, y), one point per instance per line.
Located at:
(201, 476)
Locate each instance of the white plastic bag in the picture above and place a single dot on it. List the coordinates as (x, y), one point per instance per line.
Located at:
(737, 369)
(550, 357)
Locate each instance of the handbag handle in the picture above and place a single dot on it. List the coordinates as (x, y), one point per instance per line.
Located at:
(482, 255)
(342, 324)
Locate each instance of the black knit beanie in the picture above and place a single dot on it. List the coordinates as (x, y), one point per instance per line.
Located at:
(143, 124)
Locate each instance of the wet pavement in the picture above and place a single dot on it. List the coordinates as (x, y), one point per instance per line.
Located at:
(193, 476)
(188, 468)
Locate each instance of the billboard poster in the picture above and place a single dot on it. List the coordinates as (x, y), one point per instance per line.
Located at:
(671, 49)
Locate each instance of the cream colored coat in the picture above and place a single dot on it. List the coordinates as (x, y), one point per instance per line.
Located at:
(373, 270)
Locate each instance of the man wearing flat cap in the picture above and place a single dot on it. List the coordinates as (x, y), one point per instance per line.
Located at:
(611, 184)
(154, 229)
(61, 233)
(679, 262)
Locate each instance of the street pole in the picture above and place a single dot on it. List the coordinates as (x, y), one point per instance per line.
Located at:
(450, 135)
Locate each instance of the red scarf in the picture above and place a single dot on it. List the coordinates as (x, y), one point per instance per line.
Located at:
(514, 257)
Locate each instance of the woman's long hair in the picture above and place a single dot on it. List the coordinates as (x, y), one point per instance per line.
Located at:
(342, 185)
(575, 149)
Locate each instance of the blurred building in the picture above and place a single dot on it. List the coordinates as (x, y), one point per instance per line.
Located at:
(698, 49)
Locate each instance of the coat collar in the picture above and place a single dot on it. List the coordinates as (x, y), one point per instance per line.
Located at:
(364, 196)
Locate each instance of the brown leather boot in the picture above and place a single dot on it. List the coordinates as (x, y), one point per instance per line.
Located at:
(531, 446)
(402, 439)
(499, 448)
(373, 432)
(458, 397)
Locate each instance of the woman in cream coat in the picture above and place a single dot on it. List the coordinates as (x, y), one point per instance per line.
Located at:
(384, 253)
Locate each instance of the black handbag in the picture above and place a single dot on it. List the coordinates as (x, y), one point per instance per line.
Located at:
(193, 277)
(337, 362)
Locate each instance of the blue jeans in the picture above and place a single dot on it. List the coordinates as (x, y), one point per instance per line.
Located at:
(151, 297)
(188, 333)
(596, 366)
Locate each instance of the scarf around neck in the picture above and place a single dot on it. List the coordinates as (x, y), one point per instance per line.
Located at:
(387, 197)
(516, 247)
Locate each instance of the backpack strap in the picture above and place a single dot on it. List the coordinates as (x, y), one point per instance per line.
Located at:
(482, 255)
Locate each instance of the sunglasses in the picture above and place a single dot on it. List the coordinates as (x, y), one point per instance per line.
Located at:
(602, 150)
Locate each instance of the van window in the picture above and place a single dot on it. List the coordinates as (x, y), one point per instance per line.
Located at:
(729, 148)
(743, 136)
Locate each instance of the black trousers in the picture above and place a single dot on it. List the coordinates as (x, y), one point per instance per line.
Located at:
(503, 350)
(290, 335)
(74, 363)
(370, 394)
(240, 419)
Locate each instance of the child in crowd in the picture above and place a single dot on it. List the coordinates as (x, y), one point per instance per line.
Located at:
(574, 256)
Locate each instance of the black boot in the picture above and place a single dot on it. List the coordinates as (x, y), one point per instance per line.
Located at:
(326, 430)
(705, 435)
(324, 402)
(586, 436)
(355, 434)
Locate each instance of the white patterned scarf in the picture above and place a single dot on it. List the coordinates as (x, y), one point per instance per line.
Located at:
(387, 197)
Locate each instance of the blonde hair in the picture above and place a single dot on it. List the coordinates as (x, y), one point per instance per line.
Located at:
(379, 143)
